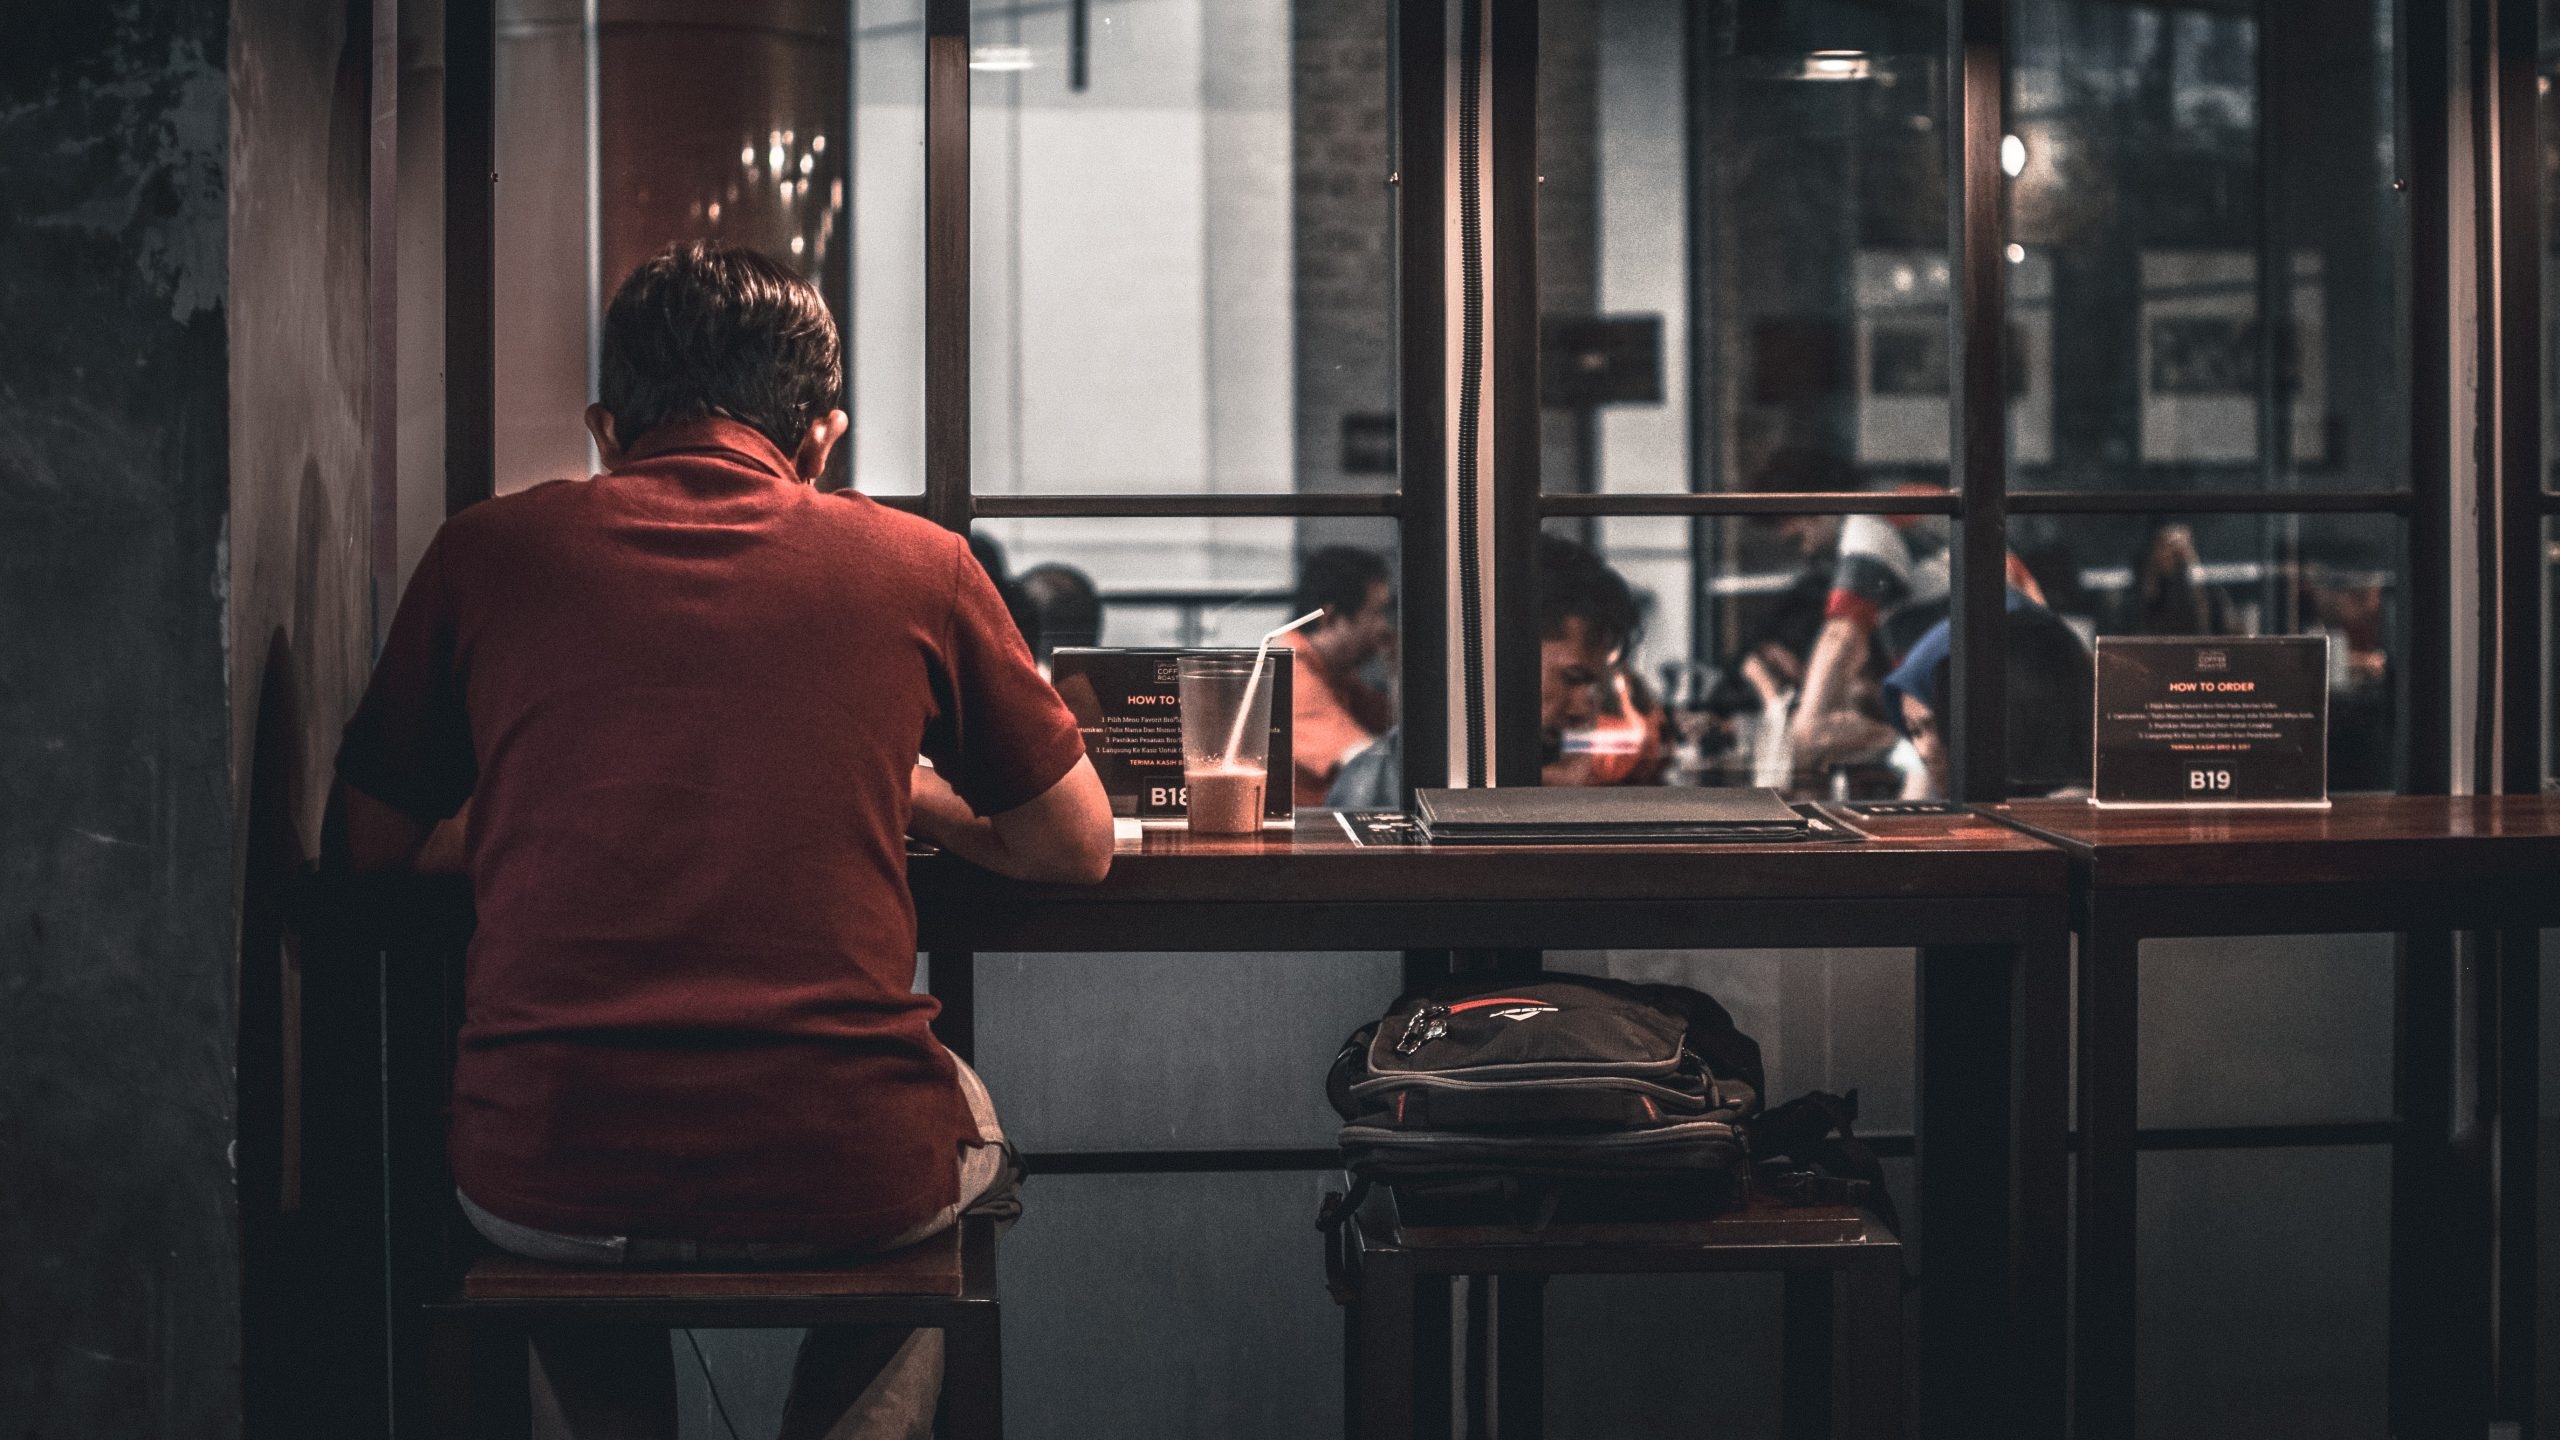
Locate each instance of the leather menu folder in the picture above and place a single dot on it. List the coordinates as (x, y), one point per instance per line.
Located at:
(1528, 815)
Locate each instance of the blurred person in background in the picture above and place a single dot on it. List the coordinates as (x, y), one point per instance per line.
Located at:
(1587, 621)
(1068, 607)
(2051, 685)
(2169, 595)
(1334, 711)
(1889, 584)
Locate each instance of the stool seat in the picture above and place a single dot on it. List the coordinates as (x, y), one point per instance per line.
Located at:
(477, 1378)
(1759, 1220)
(929, 1268)
(1841, 1359)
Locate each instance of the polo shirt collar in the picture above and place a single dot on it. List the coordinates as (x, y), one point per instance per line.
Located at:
(714, 435)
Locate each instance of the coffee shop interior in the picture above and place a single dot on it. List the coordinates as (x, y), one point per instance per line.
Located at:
(1674, 394)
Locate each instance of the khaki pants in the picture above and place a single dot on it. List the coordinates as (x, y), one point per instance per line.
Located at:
(617, 1382)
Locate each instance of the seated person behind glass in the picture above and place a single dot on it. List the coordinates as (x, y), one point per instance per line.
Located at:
(1889, 583)
(1586, 619)
(683, 703)
(1334, 711)
(2051, 683)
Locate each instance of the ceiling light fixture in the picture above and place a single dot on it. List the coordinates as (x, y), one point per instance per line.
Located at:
(1837, 65)
(1000, 57)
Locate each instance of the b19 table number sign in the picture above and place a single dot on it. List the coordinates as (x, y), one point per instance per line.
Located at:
(2227, 722)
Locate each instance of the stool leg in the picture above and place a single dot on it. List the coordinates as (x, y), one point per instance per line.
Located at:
(1384, 1350)
(1866, 1352)
(479, 1372)
(1807, 1367)
(972, 1405)
(1520, 1357)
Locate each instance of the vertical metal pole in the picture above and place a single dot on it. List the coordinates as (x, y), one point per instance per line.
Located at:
(1511, 302)
(1417, 71)
(1978, 419)
(470, 252)
(2517, 562)
(946, 264)
(951, 974)
(382, 260)
(2426, 162)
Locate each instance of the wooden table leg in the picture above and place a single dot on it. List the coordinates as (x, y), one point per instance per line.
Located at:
(1866, 1352)
(2110, 1069)
(1809, 1365)
(1991, 1193)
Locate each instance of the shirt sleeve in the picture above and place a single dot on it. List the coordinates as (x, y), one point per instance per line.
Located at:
(409, 742)
(1874, 571)
(1002, 737)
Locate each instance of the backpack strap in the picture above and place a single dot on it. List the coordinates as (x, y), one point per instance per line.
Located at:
(1808, 1153)
(1334, 1219)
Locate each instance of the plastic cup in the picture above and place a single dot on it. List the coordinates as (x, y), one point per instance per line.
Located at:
(1224, 789)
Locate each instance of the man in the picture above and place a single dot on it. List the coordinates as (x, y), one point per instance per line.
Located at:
(1333, 711)
(684, 701)
(2051, 682)
(1587, 617)
(1889, 584)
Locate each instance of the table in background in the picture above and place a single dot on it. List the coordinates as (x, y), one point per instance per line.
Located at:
(2419, 866)
(1984, 904)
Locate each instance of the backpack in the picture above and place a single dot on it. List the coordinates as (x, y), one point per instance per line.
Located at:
(1525, 1100)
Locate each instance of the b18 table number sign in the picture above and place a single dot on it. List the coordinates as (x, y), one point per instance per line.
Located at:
(1128, 704)
(2224, 722)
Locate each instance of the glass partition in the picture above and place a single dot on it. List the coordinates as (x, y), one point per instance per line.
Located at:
(622, 126)
(2208, 224)
(1179, 265)
(1741, 243)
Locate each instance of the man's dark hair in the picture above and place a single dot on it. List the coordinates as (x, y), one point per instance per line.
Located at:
(1572, 581)
(1337, 578)
(702, 329)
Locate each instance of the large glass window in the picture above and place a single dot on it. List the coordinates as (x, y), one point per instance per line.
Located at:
(622, 127)
(2208, 225)
(1144, 318)
(1741, 242)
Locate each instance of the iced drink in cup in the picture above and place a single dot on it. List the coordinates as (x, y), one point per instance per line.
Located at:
(1226, 741)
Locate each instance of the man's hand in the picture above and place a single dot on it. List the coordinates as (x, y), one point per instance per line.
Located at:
(381, 838)
(1063, 836)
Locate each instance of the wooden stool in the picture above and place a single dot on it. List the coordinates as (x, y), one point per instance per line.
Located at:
(478, 1360)
(1843, 1310)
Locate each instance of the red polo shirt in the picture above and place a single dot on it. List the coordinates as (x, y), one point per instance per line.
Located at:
(684, 699)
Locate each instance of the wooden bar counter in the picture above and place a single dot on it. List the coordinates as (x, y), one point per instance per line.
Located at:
(2419, 866)
(1984, 904)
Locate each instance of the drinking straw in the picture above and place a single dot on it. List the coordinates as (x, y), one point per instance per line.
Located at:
(1253, 683)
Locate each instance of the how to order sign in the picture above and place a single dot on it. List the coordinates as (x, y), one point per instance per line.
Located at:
(2212, 722)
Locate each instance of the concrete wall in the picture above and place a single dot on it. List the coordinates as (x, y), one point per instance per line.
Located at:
(182, 476)
(118, 1290)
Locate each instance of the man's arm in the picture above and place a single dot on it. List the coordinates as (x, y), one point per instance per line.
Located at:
(1839, 652)
(1064, 835)
(383, 838)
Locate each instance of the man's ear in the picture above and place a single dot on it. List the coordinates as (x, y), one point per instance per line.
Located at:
(600, 425)
(810, 460)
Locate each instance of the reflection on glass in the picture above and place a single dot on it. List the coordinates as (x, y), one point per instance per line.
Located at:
(626, 128)
(1741, 242)
(1180, 278)
(1733, 614)
(1149, 583)
(2207, 236)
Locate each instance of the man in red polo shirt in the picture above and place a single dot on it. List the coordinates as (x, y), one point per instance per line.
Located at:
(683, 702)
